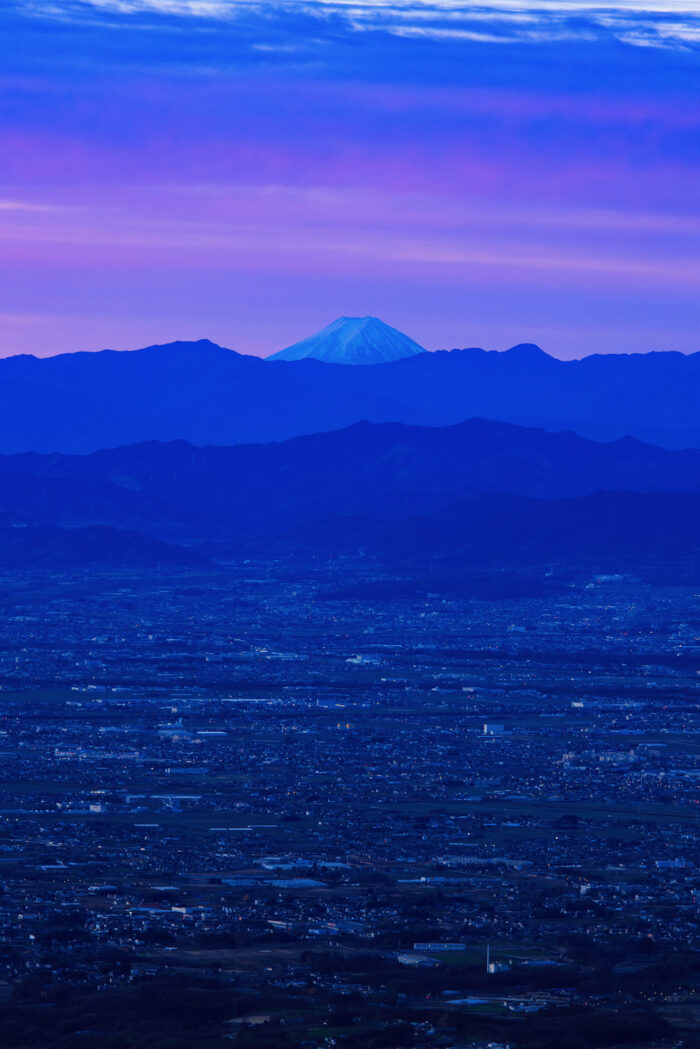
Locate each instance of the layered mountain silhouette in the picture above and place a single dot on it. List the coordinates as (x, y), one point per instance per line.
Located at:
(171, 454)
(479, 492)
(205, 394)
(353, 340)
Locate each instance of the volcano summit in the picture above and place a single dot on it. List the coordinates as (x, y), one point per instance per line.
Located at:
(353, 340)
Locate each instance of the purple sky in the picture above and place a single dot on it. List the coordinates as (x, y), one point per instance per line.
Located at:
(249, 171)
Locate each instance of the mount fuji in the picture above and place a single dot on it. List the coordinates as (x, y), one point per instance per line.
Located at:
(353, 340)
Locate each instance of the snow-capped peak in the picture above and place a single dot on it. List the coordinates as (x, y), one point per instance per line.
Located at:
(353, 340)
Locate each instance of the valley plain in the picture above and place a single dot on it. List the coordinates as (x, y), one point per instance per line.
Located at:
(306, 807)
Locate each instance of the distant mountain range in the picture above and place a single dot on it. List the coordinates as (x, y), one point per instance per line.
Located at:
(480, 492)
(353, 340)
(205, 394)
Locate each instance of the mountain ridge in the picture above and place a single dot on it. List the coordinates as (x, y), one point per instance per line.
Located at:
(207, 394)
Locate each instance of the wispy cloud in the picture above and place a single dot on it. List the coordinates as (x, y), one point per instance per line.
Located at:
(171, 161)
(662, 23)
(20, 206)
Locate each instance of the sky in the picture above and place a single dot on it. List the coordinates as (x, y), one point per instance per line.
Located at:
(474, 174)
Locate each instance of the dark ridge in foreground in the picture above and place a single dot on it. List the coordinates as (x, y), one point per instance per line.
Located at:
(382, 471)
(27, 545)
(478, 493)
(605, 531)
